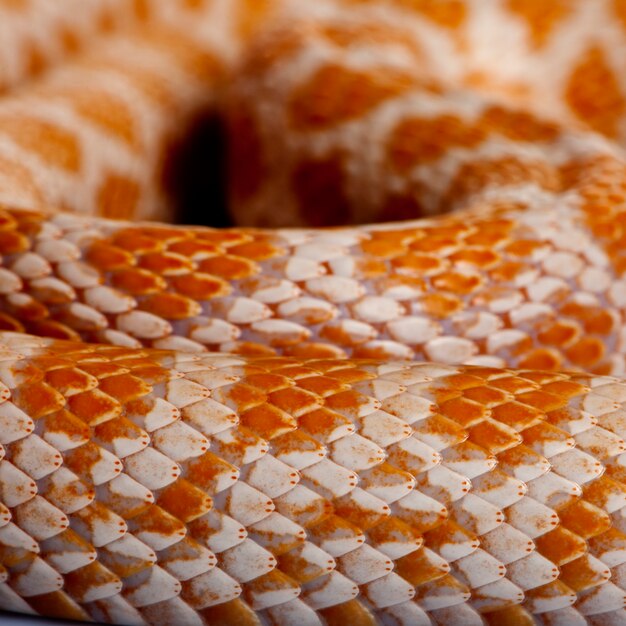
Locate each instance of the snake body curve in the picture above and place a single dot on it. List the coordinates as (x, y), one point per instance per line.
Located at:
(417, 423)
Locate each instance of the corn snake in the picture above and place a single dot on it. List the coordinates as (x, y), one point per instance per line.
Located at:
(257, 487)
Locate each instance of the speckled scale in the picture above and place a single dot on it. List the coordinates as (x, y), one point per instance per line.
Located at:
(276, 511)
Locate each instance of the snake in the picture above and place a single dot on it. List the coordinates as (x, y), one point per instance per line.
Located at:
(392, 390)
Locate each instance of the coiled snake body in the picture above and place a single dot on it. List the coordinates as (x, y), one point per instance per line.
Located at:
(417, 422)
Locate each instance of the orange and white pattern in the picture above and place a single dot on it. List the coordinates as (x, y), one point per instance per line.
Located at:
(415, 418)
(154, 487)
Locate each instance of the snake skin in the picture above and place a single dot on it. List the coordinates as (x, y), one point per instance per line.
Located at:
(417, 423)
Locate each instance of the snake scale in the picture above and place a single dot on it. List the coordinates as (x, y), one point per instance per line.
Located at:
(394, 392)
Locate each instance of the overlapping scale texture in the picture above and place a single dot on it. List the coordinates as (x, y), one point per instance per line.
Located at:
(156, 487)
(512, 286)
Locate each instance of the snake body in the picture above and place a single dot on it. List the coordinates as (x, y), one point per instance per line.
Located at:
(419, 422)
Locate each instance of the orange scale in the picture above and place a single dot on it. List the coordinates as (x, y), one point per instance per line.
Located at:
(198, 286)
(487, 238)
(542, 377)
(184, 501)
(351, 612)
(457, 283)
(513, 384)
(119, 428)
(479, 257)
(91, 577)
(336, 333)
(166, 263)
(523, 247)
(566, 388)
(102, 369)
(257, 250)
(421, 567)
(94, 407)
(229, 267)
(413, 263)
(603, 489)
(27, 222)
(366, 518)
(171, 306)
(136, 281)
(195, 248)
(57, 604)
(580, 574)
(349, 374)
(65, 422)
(442, 429)
(155, 520)
(25, 372)
(542, 400)
(333, 527)
(440, 305)
(38, 399)
(260, 365)
(209, 471)
(13, 242)
(561, 546)
(585, 519)
(586, 352)
(435, 244)
(513, 615)
(489, 396)
(464, 380)
(53, 362)
(322, 423)
(295, 401)
(268, 421)
(125, 387)
(268, 382)
(69, 380)
(107, 257)
(599, 321)
(349, 403)
(135, 242)
(449, 532)
(516, 415)
(382, 247)
(239, 446)
(292, 369)
(464, 412)
(541, 359)
(560, 333)
(493, 436)
(151, 374)
(322, 385)
(231, 612)
(394, 530)
(508, 271)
